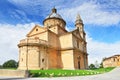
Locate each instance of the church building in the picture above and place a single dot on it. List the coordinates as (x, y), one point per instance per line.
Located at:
(51, 46)
(112, 61)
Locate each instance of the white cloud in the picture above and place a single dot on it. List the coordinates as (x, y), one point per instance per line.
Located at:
(91, 13)
(10, 36)
(19, 15)
(35, 7)
(99, 50)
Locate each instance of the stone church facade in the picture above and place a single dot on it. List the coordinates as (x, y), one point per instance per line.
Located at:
(53, 47)
(113, 61)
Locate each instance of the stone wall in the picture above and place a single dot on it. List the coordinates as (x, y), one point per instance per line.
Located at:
(66, 41)
(67, 59)
(112, 61)
(13, 73)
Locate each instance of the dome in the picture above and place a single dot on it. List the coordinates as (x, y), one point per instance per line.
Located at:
(54, 14)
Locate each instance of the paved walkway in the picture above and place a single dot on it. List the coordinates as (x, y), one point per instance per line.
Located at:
(113, 75)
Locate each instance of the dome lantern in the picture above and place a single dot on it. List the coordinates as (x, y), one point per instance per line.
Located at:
(54, 10)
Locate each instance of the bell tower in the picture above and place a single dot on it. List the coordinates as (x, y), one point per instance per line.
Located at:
(79, 25)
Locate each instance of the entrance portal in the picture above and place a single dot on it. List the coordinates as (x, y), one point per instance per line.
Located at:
(78, 64)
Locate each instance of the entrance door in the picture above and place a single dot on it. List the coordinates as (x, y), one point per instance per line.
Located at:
(78, 64)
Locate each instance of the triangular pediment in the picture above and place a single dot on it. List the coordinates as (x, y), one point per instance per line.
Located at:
(37, 29)
(76, 32)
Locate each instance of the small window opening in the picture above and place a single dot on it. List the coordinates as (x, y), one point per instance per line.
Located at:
(43, 60)
(36, 29)
(114, 59)
(21, 59)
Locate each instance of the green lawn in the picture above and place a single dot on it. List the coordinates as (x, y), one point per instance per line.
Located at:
(59, 73)
(9, 68)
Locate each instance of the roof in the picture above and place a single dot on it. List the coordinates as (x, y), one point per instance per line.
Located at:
(114, 56)
(78, 19)
(54, 14)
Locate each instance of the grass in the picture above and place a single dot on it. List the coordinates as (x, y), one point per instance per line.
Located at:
(60, 73)
(9, 68)
(103, 70)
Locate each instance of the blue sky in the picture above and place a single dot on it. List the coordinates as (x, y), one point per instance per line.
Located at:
(101, 21)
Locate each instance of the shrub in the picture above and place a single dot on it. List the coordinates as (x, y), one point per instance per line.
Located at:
(92, 66)
(10, 64)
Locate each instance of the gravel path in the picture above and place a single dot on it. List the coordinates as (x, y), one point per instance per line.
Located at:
(113, 75)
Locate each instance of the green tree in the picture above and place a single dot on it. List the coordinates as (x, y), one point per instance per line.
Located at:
(92, 66)
(0, 66)
(101, 65)
(10, 64)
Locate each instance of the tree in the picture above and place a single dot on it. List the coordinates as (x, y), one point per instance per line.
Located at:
(0, 66)
(10, 64)
(92, 66)
(101, 65)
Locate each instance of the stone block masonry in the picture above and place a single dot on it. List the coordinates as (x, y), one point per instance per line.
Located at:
(13, 73)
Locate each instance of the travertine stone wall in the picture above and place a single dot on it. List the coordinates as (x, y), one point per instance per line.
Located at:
(61, 31)
(13, 73)
(53, 39)
(43, 36)
(67, 59)
(52, 22)
(77, 43)
(113, 61)
(33, 60)
(66, 41)
(57, 29)
(22, 57)
(52, 59)
(33, 57)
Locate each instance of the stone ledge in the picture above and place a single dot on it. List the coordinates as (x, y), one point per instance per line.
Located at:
(14, 73)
